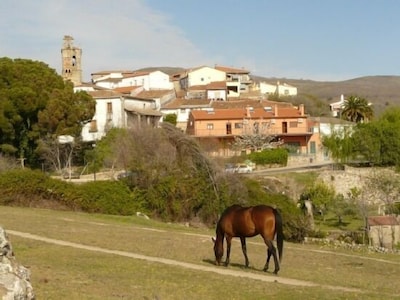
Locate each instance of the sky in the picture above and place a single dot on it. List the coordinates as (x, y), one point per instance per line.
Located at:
(322, 40)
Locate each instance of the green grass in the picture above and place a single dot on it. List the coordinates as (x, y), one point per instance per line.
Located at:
(61, 272)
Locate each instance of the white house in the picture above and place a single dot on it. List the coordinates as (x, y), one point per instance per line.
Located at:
(237, 80)
(182, 108)
(200, 76)
(336, 107)
(277, 89)
(149, 80)
(118, 110)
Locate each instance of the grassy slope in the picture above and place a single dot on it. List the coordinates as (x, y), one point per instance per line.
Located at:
(60, 272)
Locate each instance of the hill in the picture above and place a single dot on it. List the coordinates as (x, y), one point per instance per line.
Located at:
(381, 91)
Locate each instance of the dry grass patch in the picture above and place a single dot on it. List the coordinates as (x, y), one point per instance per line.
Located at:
(58, 271)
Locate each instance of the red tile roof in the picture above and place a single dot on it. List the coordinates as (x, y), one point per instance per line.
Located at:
(104, 94)
(230, 70)
(383, 220)
(125, 89)
(185, 103)
(240, 113)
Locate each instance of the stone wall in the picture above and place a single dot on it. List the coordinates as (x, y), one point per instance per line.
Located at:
(14, 278)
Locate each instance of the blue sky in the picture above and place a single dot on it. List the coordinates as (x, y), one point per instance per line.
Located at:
(299, 39)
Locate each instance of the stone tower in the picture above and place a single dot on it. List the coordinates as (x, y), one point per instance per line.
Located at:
(71, 61)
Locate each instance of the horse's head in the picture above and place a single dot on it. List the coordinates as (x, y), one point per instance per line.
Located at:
(218, 250)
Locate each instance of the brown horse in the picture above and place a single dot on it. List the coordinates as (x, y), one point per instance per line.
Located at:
(242, 222)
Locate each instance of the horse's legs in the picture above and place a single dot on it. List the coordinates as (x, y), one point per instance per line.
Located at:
(271, 251)
(228, 249)
(244, 249)
(268, 258)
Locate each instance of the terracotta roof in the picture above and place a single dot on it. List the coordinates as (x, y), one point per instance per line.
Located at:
(216, 85)
(240, 113)
(113, 71)
(143, 112)
(104, 94)
(230, 70)
(125, 89)
(197, 87)
(383, 220)
(246, 102)
(185, 103)
(151, 94)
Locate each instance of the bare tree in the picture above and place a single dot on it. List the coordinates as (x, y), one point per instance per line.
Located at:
(384, 188)
(256, 137)
(58, 155)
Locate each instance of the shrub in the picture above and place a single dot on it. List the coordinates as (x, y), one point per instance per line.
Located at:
(270, 156)
(107, 197)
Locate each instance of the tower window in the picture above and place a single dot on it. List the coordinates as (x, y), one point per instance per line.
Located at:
(73, 60)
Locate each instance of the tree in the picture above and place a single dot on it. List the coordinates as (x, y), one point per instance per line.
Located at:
(171, 118)
(256, 137)
(357, 109)
(36, 103)
(384, 186)
(321, 196)
(379, 141)
(339, 144)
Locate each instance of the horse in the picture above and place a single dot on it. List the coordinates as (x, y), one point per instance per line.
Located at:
(243, 222)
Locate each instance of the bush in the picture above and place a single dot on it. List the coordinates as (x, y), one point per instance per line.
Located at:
(107, 197)
(270, 157)
(25, 187)
(36, 189)
(296, 226)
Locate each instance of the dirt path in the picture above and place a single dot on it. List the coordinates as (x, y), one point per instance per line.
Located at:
(219, 270)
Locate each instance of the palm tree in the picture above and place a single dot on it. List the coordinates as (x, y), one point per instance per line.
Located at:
(357, 109)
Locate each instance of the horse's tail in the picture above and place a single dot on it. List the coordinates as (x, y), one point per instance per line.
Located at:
(279, 232)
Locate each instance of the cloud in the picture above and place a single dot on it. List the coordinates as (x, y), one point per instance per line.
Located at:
(124, 34)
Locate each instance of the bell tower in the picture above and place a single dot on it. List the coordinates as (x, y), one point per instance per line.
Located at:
(71, 61)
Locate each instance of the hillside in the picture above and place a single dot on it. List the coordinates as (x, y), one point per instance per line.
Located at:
(381, 91)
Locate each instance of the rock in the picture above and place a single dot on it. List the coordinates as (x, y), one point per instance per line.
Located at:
(14, 278)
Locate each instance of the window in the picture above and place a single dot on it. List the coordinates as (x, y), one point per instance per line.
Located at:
(313, 148)
(256, 126)
(109, 111)
(228, 128)
(93, 126)
(238, 125)
(293, 124)
(210, 126)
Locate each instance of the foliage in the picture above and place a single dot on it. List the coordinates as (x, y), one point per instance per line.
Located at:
(107, 197)
(356, 109)
(270, 156)
(36, 103)
(33, 188)
(379, 141)
(27, 187)
(339, 144)
(321, 196)
(171, 118)
(296, 224)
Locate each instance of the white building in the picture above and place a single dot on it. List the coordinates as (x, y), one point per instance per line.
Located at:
(200, 76)
(116, 110)
(149, 80)
(277, 89)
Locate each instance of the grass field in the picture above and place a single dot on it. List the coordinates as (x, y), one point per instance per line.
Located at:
(112, 257)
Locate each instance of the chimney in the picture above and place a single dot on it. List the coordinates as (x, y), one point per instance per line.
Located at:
(276, 110)
(301, 109)
(248, 112)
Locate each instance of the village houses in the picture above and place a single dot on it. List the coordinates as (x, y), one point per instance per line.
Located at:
(214, 105)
